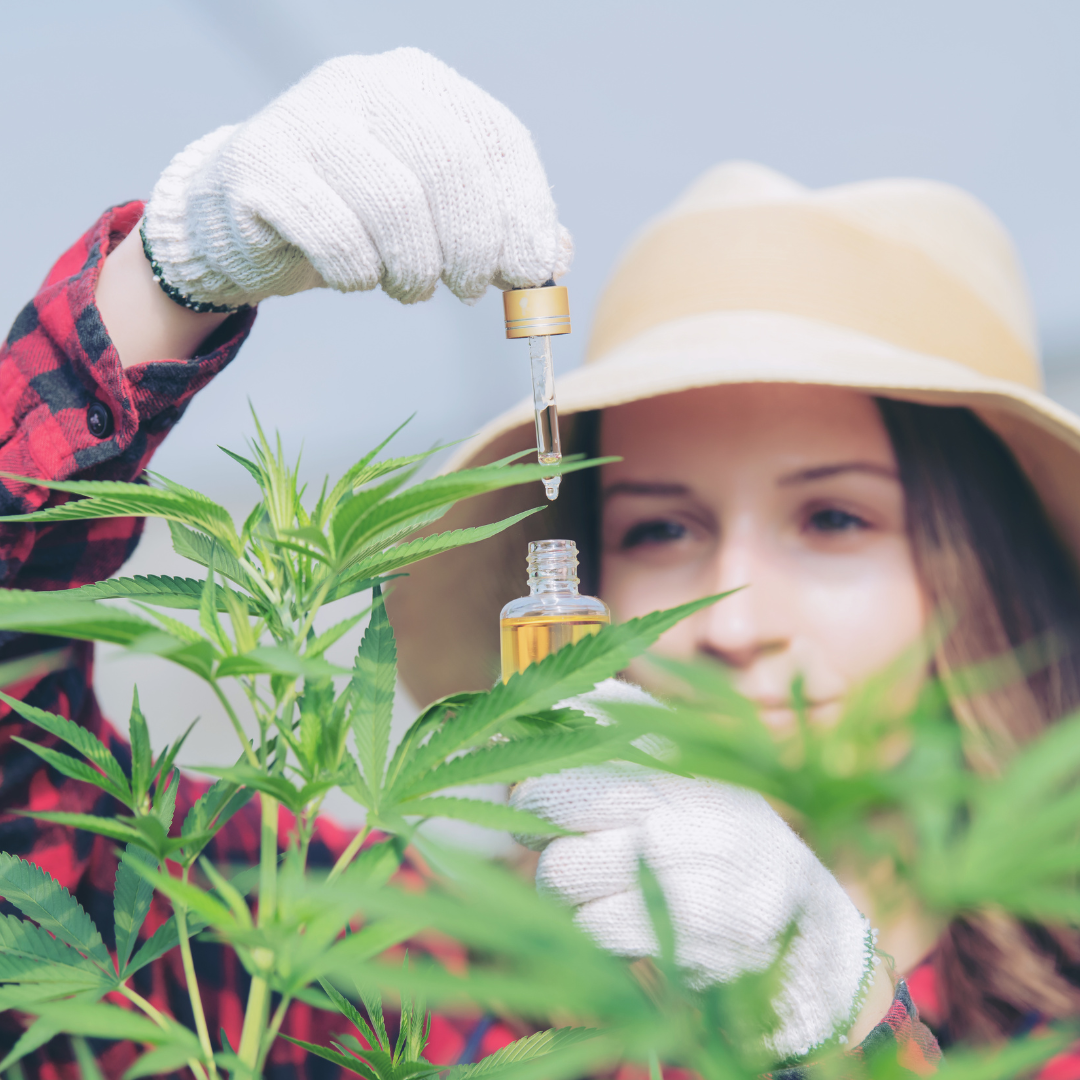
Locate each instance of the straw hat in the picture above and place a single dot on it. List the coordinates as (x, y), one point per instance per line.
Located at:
(907, 289)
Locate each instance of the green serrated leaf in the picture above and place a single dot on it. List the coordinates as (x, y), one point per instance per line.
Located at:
(509, 762)
(373, 695)
(142, 761)
(85, 620)
(196, 547)
(37, 1034)
(532, 1046)
(77, 770)
(111, 498)
(102, 1021)
(29, 954)
(84, 1056)
(490, 815)
(184, 894)
(244, 775)
(161, 1061)
(39, 897)
(257, 474)
(116, 828)
(277, 660)
(163, 940)
(132, 896)
(352, 1014)
(209, 814)
(344, 1061)
(439, 493)
(75, 735)
(317, 646)
(413, 551)
(574, 669)
(208, 616)
(174, 592)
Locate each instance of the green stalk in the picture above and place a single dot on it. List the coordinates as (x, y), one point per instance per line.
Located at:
(655, 1072)
(258, 995)
(140, 1002)
(193, 987)
(254, 1018)
(253, 761)
(272, 1032)
(349, 853)
(268, 859)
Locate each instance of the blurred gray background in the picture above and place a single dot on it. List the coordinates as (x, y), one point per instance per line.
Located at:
(628, 102)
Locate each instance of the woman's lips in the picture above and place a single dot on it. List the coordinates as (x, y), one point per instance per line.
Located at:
(775, 712)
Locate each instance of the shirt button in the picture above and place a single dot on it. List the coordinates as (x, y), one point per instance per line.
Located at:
(99, 421)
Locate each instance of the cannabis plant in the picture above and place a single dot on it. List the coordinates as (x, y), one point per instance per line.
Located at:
(875, 787)
(319, 727)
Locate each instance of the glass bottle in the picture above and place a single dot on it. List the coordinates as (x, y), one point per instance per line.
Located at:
(554, 613)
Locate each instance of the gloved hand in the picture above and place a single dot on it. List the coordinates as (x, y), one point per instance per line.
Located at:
(734, 876)
(387, 170)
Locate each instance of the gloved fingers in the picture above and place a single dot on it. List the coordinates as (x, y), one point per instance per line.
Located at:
(577, 869)
(324, 230)
(619, 923)
(396, 98)
(534, 246)
(591, 798)
(386, 196)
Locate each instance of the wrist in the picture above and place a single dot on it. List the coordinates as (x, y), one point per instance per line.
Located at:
(142, 322)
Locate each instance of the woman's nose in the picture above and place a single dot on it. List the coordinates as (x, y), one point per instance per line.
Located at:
(747, 625)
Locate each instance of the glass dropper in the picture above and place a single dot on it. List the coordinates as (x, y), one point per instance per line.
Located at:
(539, 314)
(548, 448)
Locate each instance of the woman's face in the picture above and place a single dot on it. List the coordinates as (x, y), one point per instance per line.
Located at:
(791, 491)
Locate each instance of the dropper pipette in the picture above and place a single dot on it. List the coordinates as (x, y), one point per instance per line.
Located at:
(540, 314)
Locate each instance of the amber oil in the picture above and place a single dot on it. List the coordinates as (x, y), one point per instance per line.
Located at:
(554, 613)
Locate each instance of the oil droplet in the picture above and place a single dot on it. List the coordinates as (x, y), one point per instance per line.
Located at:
(551, 486)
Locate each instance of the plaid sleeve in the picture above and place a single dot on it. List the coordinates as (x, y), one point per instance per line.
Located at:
(69, 410)
(900, 1036)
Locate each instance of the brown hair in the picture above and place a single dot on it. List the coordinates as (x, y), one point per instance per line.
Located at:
(989, 558)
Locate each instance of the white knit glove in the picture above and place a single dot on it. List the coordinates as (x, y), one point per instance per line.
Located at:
(734, 876)
(388, 170)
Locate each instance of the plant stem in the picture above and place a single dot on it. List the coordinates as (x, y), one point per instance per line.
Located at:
(141, 1002)
(349, 853)
(655, 1072)
(258, 995)
(272, 1031)
(254, 1017)
(268, 859)
(253, 761)
(193, 986)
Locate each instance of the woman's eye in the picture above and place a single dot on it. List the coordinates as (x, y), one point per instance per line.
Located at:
(653, 532)
(833, 520)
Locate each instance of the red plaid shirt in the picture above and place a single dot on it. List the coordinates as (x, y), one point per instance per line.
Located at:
(58, 368)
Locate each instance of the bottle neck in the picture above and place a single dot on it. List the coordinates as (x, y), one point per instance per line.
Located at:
(553, 568)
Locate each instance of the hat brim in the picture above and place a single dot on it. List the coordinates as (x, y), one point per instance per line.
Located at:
(446, 612)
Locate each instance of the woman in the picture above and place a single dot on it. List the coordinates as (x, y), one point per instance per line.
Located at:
(832, 398)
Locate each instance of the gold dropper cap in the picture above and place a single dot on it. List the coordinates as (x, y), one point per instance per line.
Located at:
(539, 312)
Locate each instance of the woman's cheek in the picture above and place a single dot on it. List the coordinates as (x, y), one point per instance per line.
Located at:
(861, 625)
(631, 591)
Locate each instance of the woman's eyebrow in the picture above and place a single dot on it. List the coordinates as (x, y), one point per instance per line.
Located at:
(822, 472)
(643, 487)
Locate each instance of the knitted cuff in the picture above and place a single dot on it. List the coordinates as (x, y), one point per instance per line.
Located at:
(174, 293)
(179, 231)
